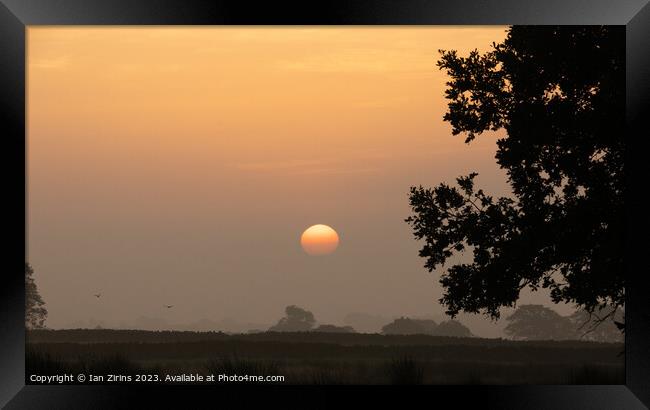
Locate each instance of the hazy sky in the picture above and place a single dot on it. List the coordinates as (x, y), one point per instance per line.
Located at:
(181, 165)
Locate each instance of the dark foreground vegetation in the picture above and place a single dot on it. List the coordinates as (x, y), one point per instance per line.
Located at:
(325, 358)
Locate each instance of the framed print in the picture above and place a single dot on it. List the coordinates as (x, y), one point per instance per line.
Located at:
(242, 201)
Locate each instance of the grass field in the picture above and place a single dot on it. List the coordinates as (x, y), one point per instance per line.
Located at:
(325, 358)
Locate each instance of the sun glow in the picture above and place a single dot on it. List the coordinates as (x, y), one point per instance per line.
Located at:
(319, 240)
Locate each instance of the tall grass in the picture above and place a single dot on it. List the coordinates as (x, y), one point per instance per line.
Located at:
(235, 365)
(405, 370)
(109, 364)
(593, 374)
(473, 378)
(329, 376)
(44, 363)
(493, 362)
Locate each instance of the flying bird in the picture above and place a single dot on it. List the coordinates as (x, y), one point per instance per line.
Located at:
(97, 295)
(168, 306)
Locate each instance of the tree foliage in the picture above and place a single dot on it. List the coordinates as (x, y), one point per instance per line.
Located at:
(296, 320)
(35, 311)
(558, 92)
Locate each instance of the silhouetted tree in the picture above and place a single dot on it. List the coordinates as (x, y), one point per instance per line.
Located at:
(406, 326)
(334, 329)
(558, 92)
(452, 328)
(595, 326)
(296, 320)
(35, 312)
(538, 322)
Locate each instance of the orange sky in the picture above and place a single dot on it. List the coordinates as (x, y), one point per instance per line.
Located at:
(284, 97)
(184, 163)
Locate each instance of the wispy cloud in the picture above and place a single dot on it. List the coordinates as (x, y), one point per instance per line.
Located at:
(339, 171)
(366, 61)
(50, 63)
(332, 166)
(279, 165)
(386, 102)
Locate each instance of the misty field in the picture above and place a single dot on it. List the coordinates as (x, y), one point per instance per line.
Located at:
(325, 358)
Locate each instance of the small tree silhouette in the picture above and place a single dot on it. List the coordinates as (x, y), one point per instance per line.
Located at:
(598, 327)
(296, 320)
(453, 328)
(538, 322)
(35, 312)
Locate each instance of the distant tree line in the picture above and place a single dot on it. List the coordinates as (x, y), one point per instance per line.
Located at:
(407, 326)
(528, 322)
(537, 322)
(297, 319)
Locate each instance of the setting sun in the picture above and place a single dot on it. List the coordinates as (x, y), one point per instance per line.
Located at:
(319, 240)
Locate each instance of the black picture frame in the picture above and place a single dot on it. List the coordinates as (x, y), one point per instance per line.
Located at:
(15, 15)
